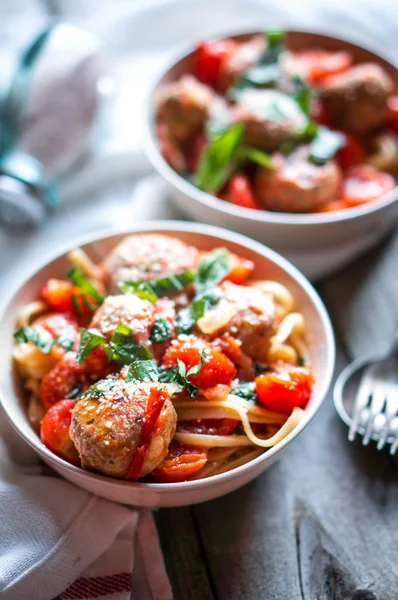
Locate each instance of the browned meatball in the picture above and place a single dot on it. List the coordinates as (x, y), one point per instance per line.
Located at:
(245, 56)
(270, 116)
(296, 185)
(183, 106)
(107, 427)
(356, 100)
(148, 256)
(126, 309)
(245, 313)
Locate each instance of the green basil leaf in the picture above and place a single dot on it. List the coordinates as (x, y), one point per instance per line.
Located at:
(303, 94)
(212, 269)
(196, 368)
(101, 387)
(259, 76)
(89, 340)
(257, 156)
(261, 369)
(217, 161)
(161, 330)
(245, 389)
(187, 317)
(142, 289)
(77, 277)
(275, 38)
(67, 338)
(301, 361)
(41, 339)
(325, 145)
(142, 370)
(123, 348)
(156, 288)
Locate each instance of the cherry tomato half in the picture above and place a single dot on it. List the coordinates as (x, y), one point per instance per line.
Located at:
(352, 153)
(210, 426)
(364, 183)
(318, 64)
(240, 192)
(62, 381)
(55, 431)
(217, 368)
(56, 324)
(241, 269)
(283, 390)
(62, 296)
(181, 463)
(209, 57)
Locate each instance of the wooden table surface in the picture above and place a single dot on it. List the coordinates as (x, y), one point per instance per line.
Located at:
(322, 522)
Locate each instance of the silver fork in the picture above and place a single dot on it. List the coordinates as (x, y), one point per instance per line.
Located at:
(375, 407)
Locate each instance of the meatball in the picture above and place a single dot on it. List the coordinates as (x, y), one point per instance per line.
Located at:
(270, 118)
(183, 106)
(296, 185)
(126, 309)
(245, 313)
(108, 425)
(245, 56)
(143, 257)
(356, 100)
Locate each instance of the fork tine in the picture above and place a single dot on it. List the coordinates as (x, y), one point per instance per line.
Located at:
(375, 410)
(361, 400)
(391, 388)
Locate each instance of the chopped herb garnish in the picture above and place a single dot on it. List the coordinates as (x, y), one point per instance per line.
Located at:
(142, 289)
(257, 156)
(303, 95)
(161, 330)
(187, 317)
(122, 348)
(89, 291)
(156, 288)
(89, 340)
(325, 145)
(142, 370)
(212, 269)
(98, 389)
(217, 162)
(301, 361)
(179, 374)
(43, 340)
(245, 389)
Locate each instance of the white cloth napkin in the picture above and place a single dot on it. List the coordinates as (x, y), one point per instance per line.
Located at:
(55, 539)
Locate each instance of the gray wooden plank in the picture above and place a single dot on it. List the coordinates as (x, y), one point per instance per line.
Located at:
(363, 300)
(317, 525)
(183, 554)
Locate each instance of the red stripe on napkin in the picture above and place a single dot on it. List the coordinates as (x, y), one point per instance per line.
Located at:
(95, 587)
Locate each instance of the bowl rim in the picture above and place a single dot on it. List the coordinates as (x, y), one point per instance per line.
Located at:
(150, 146)
(223, 235)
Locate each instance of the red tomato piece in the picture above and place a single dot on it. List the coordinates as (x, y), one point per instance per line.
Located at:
(393, 108)
(332, 206)
(56, 324)
(217, 368)
(98, 364)
(240, 192)
(209, 57)
(55, 431)
(181, 463)
(62, 380)
(210, 426)
(241, 269)
(62, 296)
(318, 64)
(364, 183)
(352, 153)
(284, 389)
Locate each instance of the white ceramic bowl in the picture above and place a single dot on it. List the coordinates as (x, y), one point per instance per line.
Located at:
(315, 243)
(269, 265)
